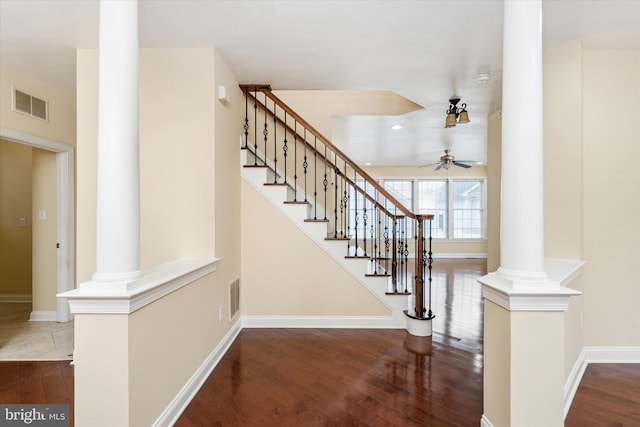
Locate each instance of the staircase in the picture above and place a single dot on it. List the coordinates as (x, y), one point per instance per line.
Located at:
(357, 222)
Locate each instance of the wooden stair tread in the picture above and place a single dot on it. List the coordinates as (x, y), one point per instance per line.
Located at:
(295, 202)
(316, 220)
(255, 166)
(397, 293)
(277, 184)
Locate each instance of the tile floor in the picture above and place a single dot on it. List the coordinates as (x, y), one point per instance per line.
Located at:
(24, 340)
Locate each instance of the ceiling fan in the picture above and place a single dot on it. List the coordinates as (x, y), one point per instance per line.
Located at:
(447, 161)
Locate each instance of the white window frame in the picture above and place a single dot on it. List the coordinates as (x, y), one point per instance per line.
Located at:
(449, 180)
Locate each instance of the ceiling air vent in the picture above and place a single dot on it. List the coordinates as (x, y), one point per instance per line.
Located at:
(29, 104)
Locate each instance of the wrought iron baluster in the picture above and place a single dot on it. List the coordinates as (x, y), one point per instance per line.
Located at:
(315, 177)
(265, 132)
(295, 161)
(285, 147)
(325, 182)
(255, 127)
(305, 164)
(355, 223)
(246, 117)
(275, 145)
(364, 218)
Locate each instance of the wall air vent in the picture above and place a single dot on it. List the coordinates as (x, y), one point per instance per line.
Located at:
(30, 105)
(234, 298)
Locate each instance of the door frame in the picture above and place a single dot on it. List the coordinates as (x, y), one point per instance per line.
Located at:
(65, 201)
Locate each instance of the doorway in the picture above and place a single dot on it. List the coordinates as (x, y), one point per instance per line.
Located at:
(64, 212)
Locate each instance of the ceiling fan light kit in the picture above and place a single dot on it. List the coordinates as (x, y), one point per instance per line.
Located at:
(449, 160)
(456, 115)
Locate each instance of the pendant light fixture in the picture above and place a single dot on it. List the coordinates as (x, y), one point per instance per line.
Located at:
(456, 115)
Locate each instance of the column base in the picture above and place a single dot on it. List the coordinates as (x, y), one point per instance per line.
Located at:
(418, 327)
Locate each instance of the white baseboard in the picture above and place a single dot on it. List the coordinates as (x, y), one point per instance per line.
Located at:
(337, 322)
(484, 421)
(595, 355)
(459, 255)
(572, 383)
(15, 297)
(612, 354)
(184, 397)
(43, 316)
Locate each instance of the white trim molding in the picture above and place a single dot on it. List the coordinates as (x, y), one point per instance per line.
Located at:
(337, 322)
(551, 294)
(177, 406)
(595, 355)
(65, 201)
(158, 281)
(43, 316)
(15, 298)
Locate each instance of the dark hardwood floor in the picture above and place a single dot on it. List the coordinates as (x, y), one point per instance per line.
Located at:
(356, 377)
(37, 383)
(609, 395)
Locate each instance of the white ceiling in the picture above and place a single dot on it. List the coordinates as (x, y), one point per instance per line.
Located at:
(425, 51)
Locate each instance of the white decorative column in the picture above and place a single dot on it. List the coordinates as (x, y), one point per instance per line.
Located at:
(118, 194)
(526, 298)
(522, 210)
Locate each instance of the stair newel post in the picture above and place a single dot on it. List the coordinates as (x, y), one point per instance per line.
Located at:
(295, 161)
(419, 276)
(429, 261)
(336, 173)
(265, 132)
(255, 126)
(275, 144)
(246, 117)
(285, 146)
(305, 164)
(315, 177)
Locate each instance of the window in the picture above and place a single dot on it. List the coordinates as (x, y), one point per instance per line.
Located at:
(468, 209)
(433, 200)
(457, 206)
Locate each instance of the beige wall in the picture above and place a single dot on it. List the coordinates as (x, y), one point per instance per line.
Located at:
(591, 190)
(15, 203)
(611, 137)
(318, 107)
(189, 189)
(44, 231)
(563, 187)
(494, 172)
(285, 273)
(62, 109)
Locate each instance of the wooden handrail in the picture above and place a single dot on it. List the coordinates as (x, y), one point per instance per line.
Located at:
(266, 89)
(333, 166)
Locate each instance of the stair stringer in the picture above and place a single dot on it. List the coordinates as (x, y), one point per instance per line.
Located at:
(317, 232)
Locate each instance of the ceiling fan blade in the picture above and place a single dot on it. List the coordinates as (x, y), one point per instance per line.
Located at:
(439, 167)
(428, 164)
(462, 165)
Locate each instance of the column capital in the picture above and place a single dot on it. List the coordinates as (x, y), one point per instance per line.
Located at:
(518, 294)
